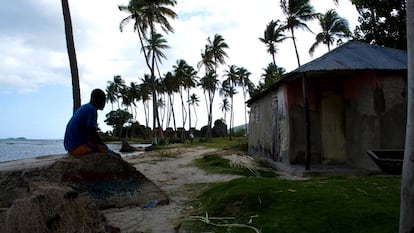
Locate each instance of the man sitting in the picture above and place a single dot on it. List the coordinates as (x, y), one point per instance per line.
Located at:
(81, 136)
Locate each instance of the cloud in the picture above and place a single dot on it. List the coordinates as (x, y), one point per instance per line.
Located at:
(33, 47)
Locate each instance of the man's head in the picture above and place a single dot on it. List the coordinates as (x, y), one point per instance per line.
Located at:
(98, 99)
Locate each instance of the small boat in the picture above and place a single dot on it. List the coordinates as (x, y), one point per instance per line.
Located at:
(389, 161)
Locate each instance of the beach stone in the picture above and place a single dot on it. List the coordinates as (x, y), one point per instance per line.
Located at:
(90, 183)
(126, 147)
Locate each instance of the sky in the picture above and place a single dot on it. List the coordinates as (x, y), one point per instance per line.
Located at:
(35, 81)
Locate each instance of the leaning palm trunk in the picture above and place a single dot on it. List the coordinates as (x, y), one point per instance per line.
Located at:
(72, 55)
(407, 182)
(189, 110)
(245, 110)
(294, 44)
(231, 120)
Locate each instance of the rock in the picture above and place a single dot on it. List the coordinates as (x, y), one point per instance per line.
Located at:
(126, 147)
(53, 197)
(45, 209)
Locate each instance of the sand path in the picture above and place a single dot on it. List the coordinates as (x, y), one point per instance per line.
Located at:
(172, 172)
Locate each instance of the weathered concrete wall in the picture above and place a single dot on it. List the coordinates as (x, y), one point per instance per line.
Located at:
(375, 115)
(269, 127)
(260, 141)
(297, 134)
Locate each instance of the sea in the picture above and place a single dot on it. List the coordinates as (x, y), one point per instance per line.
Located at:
(15, 149)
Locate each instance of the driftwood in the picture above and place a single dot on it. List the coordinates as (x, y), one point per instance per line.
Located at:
(207, 220)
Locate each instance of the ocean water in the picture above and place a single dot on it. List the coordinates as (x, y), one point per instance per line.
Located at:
(14, 149)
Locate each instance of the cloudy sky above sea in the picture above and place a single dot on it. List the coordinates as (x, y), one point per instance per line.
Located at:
(35, 80)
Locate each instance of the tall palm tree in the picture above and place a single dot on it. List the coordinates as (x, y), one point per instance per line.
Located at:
(70, 45)
(214, 55)
(209, 83)
(145, 92)
(228, 90)
(134, 93)
(148, 16)
(243, 80)
(272, 36)
(189, 83)
(297, 13)
(181, 73)
(333, 27)
(171, 85)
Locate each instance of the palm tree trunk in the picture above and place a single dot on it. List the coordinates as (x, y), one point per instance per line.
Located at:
(231, 119)
(245, 110)
(70, 44)
(294, 44)
(210, 116)
(183, 114)
(407, 180)
(195, 113)
(189, 110)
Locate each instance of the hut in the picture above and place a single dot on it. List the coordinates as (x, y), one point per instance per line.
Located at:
(357, 102)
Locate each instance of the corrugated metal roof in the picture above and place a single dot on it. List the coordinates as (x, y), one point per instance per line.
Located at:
(355, 55)
(351, 56)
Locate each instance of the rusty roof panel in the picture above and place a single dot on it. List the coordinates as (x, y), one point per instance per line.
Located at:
(355, 55)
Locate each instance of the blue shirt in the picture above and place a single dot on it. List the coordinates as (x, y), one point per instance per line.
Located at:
(77, 129)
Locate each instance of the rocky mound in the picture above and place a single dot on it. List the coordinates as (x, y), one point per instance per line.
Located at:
(67, 195)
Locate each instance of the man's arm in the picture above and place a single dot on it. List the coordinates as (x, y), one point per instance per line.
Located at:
(94, 136)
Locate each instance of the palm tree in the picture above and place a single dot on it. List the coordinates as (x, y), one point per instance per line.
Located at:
(180, 74)
(217, 52)
(225, 107)
(147, 16)
(70, 44)
(214, 55)
(171, 85)
(194, 102)
(190, 82)
(228, 90)
(119, 84)
(145, 93)
(111, 93)
(134, 93)
(297, 13)
(206, 60)
(243, 80)
(333, 28)
(209, 84)
(272, 36)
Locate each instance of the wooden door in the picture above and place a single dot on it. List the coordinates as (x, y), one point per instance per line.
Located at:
(332, 127)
